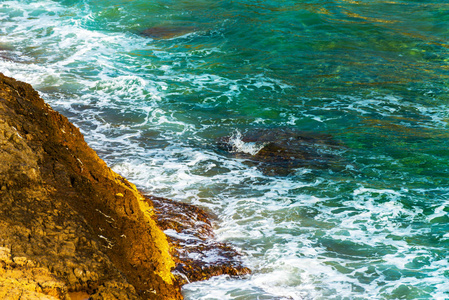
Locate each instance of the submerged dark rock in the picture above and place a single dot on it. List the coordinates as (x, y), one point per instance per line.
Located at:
(281, 151)
(167, 32)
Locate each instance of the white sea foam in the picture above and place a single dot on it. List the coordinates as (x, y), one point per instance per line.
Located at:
(306, 236)
(238, 145)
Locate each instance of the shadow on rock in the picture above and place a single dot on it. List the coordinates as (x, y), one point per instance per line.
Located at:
(278, 152)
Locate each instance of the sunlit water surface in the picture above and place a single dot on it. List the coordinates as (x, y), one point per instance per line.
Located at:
(154, 84)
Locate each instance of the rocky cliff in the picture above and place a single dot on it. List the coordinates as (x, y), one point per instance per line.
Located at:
(69, 226)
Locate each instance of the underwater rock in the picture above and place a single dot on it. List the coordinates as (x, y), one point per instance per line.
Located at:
(167, 32)
(280, 151)
(197, 254)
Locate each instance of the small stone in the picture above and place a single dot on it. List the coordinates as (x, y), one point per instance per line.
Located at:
(20, 261)
(68, 249)
(166, 32)
(119, 195)
(4, 188)
(5, 255)
(282, 151)
(30, 264)
(78, 273)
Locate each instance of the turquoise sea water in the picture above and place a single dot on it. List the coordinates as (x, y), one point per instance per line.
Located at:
(154, 84)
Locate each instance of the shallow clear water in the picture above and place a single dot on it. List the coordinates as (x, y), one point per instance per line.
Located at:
(373, 74)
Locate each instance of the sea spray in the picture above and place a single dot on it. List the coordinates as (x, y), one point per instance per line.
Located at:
(236, 144)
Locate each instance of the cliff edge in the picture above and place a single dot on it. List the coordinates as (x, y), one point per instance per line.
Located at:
(70, 228)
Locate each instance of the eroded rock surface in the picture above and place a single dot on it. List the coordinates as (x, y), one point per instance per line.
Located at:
(70, 226)
(198, 254)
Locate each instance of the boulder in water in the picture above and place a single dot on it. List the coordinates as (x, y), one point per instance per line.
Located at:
(167, 32)
(281, 151)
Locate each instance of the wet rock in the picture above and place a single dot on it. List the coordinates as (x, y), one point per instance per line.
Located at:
(198, 254)
(281, 151)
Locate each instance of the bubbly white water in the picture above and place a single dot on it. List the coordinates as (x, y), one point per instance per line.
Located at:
(312, 235)
(238, 145)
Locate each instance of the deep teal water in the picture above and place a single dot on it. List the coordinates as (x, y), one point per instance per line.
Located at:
(373, 74)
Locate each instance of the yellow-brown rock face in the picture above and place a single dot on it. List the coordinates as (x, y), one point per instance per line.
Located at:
(70, 228)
